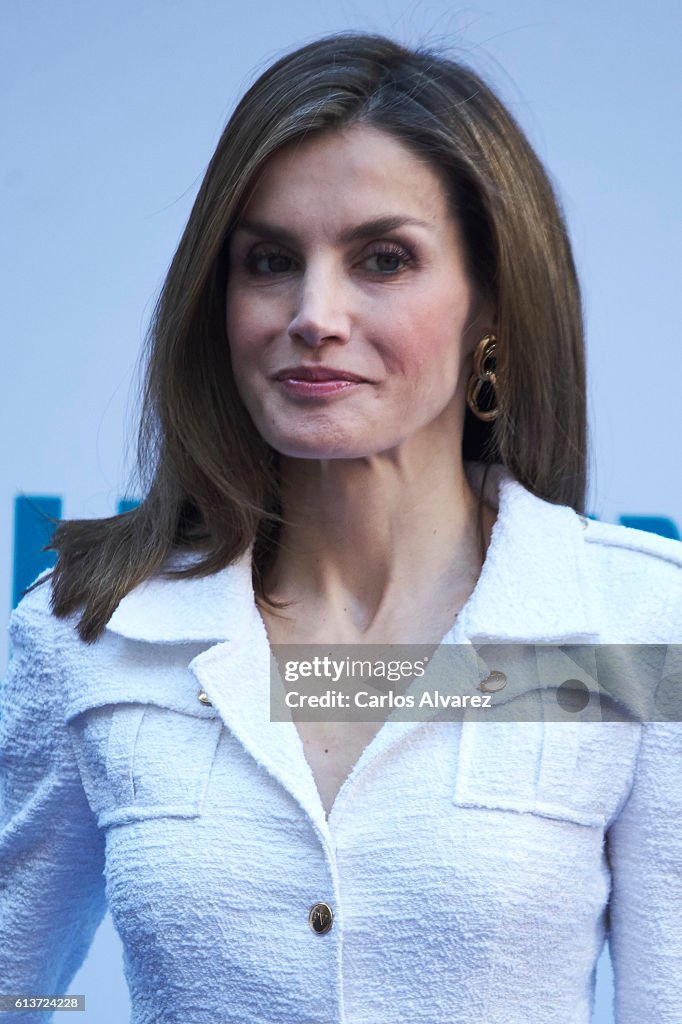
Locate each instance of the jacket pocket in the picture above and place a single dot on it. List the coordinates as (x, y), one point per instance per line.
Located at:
(570, 771)
(144, 751)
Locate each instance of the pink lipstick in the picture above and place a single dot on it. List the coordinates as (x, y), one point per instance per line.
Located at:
(318, 381)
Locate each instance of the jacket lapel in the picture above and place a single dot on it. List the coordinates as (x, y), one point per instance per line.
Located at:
(234, 670)
(236, 676)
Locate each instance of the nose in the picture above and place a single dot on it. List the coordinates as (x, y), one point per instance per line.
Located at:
(322, 314)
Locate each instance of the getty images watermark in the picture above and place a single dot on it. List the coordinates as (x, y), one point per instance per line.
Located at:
(495, 682)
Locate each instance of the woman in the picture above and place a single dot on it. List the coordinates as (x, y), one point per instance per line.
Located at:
(364, 422)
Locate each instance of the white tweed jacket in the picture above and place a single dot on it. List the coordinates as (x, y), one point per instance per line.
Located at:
(474, 869)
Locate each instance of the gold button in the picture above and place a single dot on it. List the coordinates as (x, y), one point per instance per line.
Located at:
(321, 918)
(494, 682)
(203, 697)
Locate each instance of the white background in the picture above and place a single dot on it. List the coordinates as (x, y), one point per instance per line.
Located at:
(110, 114)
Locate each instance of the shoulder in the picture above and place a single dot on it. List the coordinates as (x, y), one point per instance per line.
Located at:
(32, 692)
(33, 614)
(636, 546)
(35, 607)
(36, 634)
(629, 553)
(639, 578)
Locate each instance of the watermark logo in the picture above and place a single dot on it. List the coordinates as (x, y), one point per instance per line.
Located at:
(500, 682)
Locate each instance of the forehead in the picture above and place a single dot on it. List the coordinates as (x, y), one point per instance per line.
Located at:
(352, 172)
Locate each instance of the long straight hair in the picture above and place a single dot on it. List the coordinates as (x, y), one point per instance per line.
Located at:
(210, 482)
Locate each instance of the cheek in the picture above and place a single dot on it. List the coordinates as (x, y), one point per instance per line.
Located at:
(425, 331)
(237, 311)
(425, 352)
(246, 330)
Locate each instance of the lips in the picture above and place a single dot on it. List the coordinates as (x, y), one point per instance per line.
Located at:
(318, 383)
(319, 374)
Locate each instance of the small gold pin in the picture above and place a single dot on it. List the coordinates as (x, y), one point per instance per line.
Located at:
(494, 682)
(203, 697)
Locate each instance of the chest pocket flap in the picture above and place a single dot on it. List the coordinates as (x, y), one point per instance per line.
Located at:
(572, 771)
(144, 744)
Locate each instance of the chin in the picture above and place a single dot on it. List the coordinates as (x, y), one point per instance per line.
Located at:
(318, 436)
(320, 450)
(330, 444)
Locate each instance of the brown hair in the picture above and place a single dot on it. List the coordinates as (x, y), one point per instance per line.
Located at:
(209, 480)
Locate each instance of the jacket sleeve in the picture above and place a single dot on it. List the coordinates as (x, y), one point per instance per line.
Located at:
(645, 854)
(51, 852)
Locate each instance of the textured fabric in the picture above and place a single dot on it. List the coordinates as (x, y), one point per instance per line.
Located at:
(474, 869)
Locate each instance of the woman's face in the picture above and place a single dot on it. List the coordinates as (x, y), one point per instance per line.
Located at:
(350, 316)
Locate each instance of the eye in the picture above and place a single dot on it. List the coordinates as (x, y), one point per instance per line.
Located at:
(388, 260)
(262, 262)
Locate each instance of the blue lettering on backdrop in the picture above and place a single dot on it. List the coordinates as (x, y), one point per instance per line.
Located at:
(36, 516)
(34, 521)
(654, 524)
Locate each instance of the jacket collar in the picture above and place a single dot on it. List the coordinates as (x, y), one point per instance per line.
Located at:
(534, 585)
(174, 610)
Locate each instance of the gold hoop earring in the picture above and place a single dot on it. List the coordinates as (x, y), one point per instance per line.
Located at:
(483, 379)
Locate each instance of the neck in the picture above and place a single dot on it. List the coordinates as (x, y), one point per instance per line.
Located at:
(367, 541)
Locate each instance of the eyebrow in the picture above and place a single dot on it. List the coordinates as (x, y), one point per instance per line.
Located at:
(368, 229)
